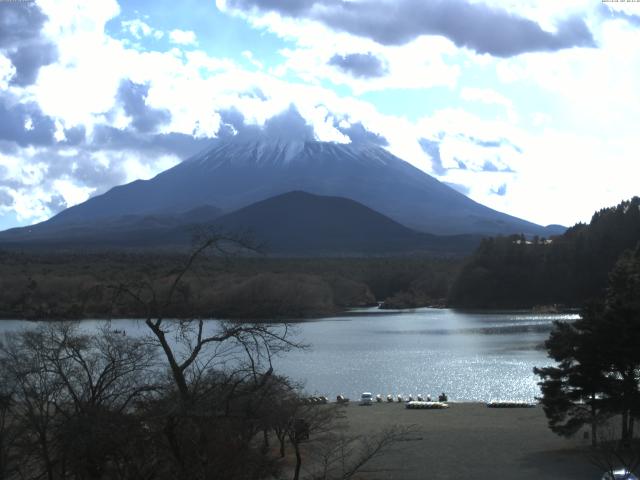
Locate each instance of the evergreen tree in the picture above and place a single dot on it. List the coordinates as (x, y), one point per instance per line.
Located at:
(570, 269)
(598, 359)
(573, 391)
(620, 333)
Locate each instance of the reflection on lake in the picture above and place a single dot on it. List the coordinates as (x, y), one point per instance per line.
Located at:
(469, 355)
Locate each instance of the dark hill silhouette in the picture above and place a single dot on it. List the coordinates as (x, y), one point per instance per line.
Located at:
(302, 223)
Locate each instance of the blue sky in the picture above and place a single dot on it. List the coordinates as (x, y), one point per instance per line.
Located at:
(528, 107)
(219, 35)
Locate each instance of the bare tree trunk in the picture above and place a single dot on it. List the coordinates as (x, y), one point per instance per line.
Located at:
(282, 437)
(176, 371)
(625, 426)
(44, 453)
(174, 446)
(2, 466)
(296, 475)
(265, 436)
(594, 426)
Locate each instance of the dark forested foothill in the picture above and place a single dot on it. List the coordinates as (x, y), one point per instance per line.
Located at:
(514, 271)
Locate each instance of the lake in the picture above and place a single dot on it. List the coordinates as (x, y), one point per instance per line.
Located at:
(472, 356)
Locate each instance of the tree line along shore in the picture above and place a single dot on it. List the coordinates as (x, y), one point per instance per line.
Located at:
(75, 285)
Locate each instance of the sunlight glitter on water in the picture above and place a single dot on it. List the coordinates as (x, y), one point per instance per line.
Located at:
(472, 356)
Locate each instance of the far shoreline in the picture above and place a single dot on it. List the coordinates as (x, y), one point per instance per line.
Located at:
(349, 312)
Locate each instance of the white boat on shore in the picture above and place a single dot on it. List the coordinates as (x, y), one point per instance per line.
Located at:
(417, 405)
(509, 404)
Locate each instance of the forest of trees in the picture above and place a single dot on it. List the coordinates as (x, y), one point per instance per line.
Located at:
(71, 286)
(596, 378)
(515, 272)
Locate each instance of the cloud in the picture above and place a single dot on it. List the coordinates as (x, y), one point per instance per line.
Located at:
(357, 133)
(248, 54)
(6, 199)
(232, 122)
(612, 14)
(501, 191)
(132, 97)
(486, 143)
(47, 167)
(489, 97)
(488, 166)
(284, 126)
(28, 59)
(291, 125)
(20, 22)
(501, 142)
(463, 189)
(183, 37)
(479, 27)
(360, 65)
(75, 135)
(82, 167)
(56, 204)
(138, 29)
(432, 148)
(108, 138)
(288, 125)
(24, 123)
(22, 41)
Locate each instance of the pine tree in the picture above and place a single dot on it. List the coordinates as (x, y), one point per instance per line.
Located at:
(573, 391)
(598, 359)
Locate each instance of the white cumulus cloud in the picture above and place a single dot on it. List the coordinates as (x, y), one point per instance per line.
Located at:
(183, 37)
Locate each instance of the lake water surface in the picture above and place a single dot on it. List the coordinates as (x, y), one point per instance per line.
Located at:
(469, 355)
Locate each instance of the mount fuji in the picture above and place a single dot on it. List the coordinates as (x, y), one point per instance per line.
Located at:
(238, 172)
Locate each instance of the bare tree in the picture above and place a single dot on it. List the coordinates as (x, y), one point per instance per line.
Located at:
(309, 421)
(220, 371)
(192, 345)
(9, 429)
(72, 397)
(36, 393)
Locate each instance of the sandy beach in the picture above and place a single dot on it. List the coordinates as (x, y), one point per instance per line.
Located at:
(471, 441)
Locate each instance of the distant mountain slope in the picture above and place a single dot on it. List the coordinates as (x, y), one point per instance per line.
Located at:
(130, 230)
(236, 172)
(294, 223)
